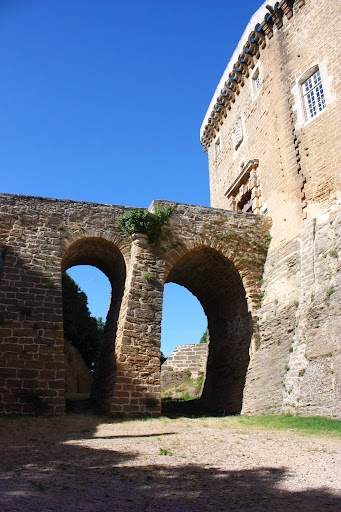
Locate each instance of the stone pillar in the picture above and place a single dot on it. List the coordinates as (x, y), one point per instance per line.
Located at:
(136, 389)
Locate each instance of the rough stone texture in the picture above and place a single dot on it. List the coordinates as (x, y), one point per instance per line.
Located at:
(185, 362)
(288, 166)
(77, 376)
(217, 255)
(264, 155)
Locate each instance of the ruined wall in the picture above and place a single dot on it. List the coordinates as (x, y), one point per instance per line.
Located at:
(214, 253)
(191, 357)
(185, 362)
(286, 165)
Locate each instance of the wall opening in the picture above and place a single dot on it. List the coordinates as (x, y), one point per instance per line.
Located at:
(86, 298)
(216, 283)
(183, 325)
(107, 258)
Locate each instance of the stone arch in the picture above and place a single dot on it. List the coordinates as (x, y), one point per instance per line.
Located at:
(216, 282)
(107, 257)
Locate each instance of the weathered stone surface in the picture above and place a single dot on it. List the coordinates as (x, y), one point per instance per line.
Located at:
(186, 361)
(274, 337)
(283, 162)
(77, 376)
(217, 255)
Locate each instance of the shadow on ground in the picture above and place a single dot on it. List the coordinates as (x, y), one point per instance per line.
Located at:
(43, 469)
(186, 409)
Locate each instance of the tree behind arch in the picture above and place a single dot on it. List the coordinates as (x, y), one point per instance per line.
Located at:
(80, 328)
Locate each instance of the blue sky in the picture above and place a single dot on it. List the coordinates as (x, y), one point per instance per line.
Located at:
(102, 101)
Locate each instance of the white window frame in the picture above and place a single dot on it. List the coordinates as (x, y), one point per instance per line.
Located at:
(313, 94)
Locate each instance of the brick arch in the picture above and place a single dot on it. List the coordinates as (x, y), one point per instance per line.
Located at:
(107, 257)
(215, 281)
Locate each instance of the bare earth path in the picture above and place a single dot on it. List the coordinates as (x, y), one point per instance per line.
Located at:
(80, 463)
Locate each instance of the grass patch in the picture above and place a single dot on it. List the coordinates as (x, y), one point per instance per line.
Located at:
(302, 424)
(184, 391)
(165, 451)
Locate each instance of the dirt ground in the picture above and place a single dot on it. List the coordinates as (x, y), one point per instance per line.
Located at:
(82, 463)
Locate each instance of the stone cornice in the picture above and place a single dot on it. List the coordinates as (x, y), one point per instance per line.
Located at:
(242, 177)
(237, 71)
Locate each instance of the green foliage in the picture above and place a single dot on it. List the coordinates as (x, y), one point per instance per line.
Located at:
(260, 298)
(135, 221)
(267, 239)
(330, 291)
(80, 328)
(242, 259)
(163, 214)
(148, 277)
(185, 391)
(223, 236)
(142, 221)
(165, 451)
(203, 338)
(163, 358)
(308, 425)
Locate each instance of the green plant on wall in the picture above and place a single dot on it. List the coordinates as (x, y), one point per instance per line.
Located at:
(142, 221)
(147, 276)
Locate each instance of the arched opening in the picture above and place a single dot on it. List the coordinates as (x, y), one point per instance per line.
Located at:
(105, 256)
(183, 326)
(216, 283)
(86, 298)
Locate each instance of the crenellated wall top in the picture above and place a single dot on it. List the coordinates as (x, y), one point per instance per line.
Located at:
(258, 30)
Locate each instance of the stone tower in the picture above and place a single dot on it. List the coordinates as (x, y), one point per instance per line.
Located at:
(272, 134)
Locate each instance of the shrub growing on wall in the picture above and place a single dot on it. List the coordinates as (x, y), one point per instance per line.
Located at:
(142, 221)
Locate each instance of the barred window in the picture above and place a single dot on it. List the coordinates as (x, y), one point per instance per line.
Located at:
(256, 81)
(237, 133)
(217, 147)
(313, 95)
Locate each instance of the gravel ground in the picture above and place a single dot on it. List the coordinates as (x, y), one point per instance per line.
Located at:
(80, 463)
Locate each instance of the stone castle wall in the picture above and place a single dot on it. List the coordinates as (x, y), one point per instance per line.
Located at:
(288, 164)
(274, 329)
(201, 248)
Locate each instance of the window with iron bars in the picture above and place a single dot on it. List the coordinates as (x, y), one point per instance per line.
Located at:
(313, 95)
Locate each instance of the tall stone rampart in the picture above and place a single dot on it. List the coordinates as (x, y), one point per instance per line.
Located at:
(272, 136)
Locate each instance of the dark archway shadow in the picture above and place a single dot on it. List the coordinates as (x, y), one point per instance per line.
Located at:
(56, 467)
(195, 408)
(216, 283)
